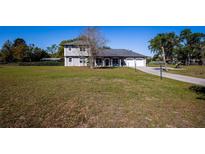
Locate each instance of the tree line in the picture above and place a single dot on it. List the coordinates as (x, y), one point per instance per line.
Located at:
(186, 48)
(19, 51)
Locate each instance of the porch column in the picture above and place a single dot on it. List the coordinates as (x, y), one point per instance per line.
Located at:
(95, 62)
(120, 63)
(65, 61)
(103, 62)
(111, 62)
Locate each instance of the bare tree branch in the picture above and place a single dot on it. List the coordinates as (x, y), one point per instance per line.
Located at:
(93, 37)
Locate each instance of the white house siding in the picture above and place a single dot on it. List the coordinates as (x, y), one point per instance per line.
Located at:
(76, 55)
(75, 61)
(130, 62)
(141, 62)
(75, 52)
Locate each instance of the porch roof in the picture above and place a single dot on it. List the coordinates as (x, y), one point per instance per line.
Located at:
(118, 53)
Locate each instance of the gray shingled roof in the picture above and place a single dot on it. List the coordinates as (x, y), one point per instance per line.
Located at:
(118, 53)
(110, 52)
(78, 42)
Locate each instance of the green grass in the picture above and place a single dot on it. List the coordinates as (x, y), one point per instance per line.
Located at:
(43, 96)
(192, 70)
(195, 71)
(157, 65)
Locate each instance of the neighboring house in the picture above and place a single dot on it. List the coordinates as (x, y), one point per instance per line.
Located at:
(77, 53)
(51, 59)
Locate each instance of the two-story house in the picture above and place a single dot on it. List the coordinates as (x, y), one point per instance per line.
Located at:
(77, 54)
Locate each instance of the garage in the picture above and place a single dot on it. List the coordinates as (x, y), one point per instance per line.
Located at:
(131, 62)
(140, 62)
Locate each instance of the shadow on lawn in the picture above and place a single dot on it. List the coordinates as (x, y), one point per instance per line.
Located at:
(200, 90)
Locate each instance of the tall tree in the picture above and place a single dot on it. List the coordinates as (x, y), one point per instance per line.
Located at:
(61, 46)
(36, 54)
(202, 52)
(52, 50)
(191, 45)
(6, 51)
(18, 42)
(20, 49)
(164, 44)
(93, 37)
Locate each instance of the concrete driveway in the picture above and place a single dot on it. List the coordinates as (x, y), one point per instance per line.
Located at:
(156, 71)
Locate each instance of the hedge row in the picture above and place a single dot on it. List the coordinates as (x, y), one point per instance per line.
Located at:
(45, 63)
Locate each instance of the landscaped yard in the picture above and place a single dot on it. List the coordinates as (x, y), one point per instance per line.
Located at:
(195, 71)
(56, 96)
(191, 70)
(157, 65)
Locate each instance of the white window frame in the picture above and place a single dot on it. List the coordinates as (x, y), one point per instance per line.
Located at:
(82, 48)
(82, 60)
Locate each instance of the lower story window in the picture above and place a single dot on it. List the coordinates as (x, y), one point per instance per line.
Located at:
(82, 60)
(115, 62)
(70, 59)
(99, 61)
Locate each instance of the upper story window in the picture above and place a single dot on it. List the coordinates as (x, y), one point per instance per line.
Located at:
(68, 47)
(82, 49)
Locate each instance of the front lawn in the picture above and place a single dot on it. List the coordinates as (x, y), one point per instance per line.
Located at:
(192, 70)
(57, 96)
(158, 65)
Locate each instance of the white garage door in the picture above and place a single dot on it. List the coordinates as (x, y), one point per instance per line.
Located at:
(140, 62)
(131, 62)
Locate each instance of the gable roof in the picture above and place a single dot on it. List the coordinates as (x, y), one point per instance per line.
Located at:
(118, 53)
(108, 52)
(77, 43)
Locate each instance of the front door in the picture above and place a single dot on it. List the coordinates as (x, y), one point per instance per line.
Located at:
(107, 62)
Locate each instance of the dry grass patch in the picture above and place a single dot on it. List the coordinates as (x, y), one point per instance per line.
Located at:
(80, 97)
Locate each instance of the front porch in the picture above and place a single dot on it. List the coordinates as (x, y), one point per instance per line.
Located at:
(109, 62)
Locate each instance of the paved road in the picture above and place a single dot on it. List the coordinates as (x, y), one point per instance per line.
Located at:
(156, 71)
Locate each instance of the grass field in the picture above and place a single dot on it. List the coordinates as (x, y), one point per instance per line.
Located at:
(43, 96)
(157, 65)
(195, 71)
(192, 70)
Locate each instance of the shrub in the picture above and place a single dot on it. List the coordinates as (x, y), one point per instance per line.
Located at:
(45, 63)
